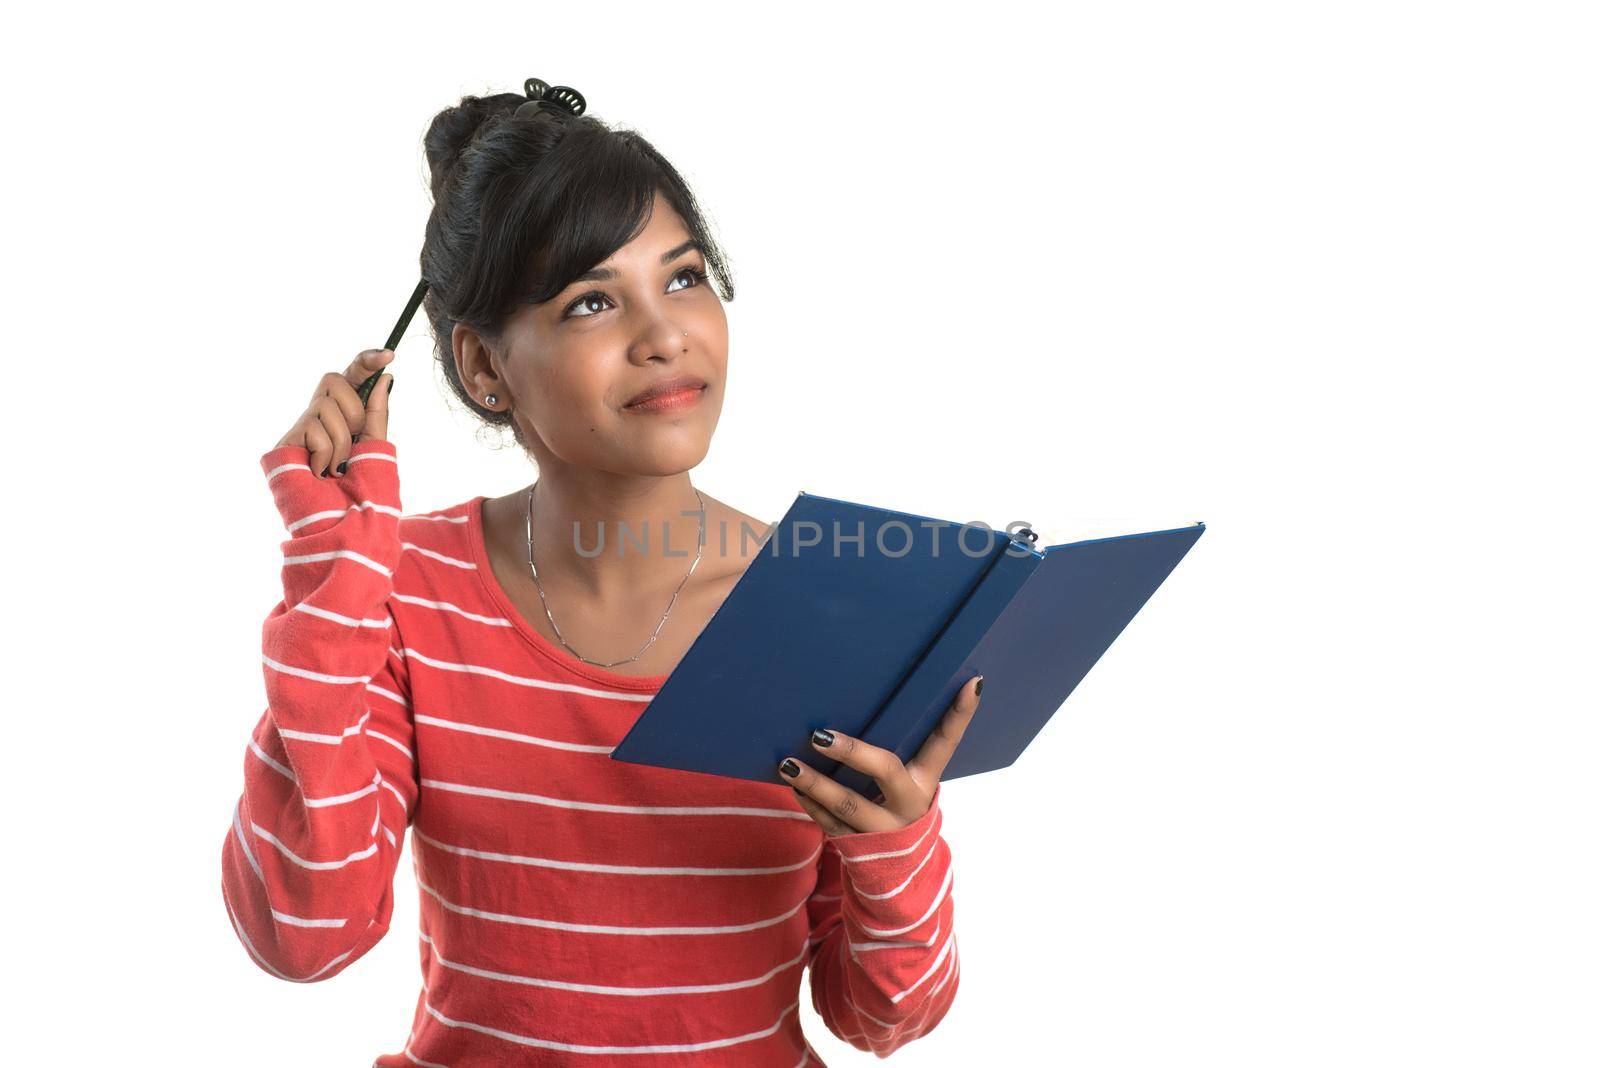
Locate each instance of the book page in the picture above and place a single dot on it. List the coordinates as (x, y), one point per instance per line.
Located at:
(1064, 530)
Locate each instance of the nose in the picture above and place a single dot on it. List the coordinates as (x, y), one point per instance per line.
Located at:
(664, 341)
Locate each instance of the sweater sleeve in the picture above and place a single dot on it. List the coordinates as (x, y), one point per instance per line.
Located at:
(330, 780)
(884, 967)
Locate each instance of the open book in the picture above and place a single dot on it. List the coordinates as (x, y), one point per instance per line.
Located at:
(869, 621)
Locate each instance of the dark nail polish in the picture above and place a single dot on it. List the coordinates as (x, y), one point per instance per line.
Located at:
(789, 768)
(822, 737)
(389, 394)
(977, 691)
(324, 473)
(344, 467)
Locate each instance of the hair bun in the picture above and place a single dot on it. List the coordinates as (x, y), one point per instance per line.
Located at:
(454, 128)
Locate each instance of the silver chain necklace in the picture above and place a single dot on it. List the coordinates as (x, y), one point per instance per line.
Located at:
(699, 546)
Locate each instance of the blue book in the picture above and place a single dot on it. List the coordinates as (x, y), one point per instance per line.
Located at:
(869, 621)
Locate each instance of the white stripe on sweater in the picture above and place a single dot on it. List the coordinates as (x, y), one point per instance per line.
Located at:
(322, 802)
(251, 946)
(385, 738)
(313, 865)
(338, 554)
(618, 991)
(925, 1010)
(631, 810)
(446, 606)
(391, 695)
(604, 928)
(465, 565)
(269, 762)
(349, 621)
(284, 917)
(332, 513)
(414, 1059)
(340, 799)
(949, 945)
(519, 680)
(238, 830)
(542, 1043)
(436, 517)
(867, 947)
(357, 458)
(314, 676)
(398, 796)
(297, 921)
(932, 847)
(608, 869)
(863, 858)
(325, 739)
(944, 891)
(511, 736)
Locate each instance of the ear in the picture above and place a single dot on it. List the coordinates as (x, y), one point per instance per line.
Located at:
(475, 363)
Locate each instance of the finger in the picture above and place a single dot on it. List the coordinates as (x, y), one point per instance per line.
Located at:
(902, 792)
(935, 754)
(365, 363)
(831, 825)
(347, 386)
(855, 811)
(317, 442)
(330, 417)
(336, 385)
(365, 374)
(376, 427)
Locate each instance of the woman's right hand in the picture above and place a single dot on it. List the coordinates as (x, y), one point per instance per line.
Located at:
(336, 416)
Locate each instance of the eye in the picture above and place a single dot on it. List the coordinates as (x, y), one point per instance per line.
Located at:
(583, 302)
(697, 275)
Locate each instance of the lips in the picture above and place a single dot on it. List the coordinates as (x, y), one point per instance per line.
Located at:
(667, 386)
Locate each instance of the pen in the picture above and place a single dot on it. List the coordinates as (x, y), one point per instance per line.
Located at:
(365, 389)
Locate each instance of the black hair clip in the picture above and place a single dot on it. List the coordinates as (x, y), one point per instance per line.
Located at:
(542, 95)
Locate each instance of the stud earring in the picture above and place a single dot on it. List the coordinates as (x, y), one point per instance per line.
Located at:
(491, 400)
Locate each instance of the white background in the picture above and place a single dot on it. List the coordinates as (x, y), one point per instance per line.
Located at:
(1322, 275)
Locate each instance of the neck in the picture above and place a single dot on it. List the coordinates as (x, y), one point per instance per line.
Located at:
(612, 536)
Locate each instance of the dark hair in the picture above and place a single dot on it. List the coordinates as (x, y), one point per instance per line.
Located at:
(522, 206)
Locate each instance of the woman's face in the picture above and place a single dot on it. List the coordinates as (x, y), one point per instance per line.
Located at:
(571, 366)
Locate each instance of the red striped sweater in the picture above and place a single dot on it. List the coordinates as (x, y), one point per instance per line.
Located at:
(574, 909)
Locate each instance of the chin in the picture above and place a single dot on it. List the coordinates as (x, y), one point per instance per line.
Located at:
(672, 460)
(667, 448)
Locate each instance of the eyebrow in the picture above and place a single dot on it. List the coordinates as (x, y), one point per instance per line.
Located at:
(605, 274)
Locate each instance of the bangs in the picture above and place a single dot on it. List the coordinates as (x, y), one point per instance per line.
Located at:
(601, 199)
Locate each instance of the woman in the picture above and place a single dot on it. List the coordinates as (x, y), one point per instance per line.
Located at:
(465, 672)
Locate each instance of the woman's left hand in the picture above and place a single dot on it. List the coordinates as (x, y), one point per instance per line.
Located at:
(907, 788)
